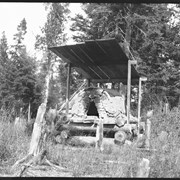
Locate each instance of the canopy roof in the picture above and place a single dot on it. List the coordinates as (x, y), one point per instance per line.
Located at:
(98, 60)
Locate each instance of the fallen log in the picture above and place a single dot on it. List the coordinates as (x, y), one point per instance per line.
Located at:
(78, 129)
(89, 140)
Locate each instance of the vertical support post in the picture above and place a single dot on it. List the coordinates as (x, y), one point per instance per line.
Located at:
(130, 62)
(29, 113)
(99, 135)
(67, 89)
(166, 108)
(139, 105)
(128, 91)
(148, 133)
(88, 82)
(139, 101)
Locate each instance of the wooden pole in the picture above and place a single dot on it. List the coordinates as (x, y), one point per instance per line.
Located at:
(29, 113)
(130, 62)
(88, 82)
(68, 88)
(148, 133)
(99, 135)
(139, 105)
(139, 101)
(128, 91)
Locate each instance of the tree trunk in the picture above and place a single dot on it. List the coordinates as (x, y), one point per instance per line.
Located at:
(29, 113)
(37, 150)
(39, 125)
(127, 40)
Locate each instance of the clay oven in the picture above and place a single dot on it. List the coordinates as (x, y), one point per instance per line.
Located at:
(96, 103)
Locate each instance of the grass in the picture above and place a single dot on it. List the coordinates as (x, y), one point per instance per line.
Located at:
(114, 161)
(13, 145)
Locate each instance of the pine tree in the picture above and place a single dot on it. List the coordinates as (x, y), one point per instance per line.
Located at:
(54, 35)
(18, 83)
(147, 30)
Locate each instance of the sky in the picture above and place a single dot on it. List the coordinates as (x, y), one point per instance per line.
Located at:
(11, 14)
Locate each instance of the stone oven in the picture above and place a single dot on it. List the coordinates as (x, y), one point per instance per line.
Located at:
(93, 103)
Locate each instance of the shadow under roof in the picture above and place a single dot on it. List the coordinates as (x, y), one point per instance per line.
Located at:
(98, 60)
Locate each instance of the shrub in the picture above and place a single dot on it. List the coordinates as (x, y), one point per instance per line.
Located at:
(165, 161)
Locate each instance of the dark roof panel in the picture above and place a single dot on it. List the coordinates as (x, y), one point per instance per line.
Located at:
(97, 59)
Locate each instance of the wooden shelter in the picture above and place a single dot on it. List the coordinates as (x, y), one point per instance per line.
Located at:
(100, 61)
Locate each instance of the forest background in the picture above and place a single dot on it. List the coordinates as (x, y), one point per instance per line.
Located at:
(148, 33)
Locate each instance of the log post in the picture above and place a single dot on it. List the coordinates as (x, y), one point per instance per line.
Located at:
(130, 62)
(166, 108)
(37, 131)
(139, 105)
(67, 89)
(148, 133)
(29, 113)
(143, 169)
(88, 82)
(139, 101)
(99, 135)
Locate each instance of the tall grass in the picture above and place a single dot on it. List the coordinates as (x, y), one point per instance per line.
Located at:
(114, 161)
(165, 162)
(122, 161)
(14, 142)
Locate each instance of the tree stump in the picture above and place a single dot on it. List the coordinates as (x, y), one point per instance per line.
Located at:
(120, 137)
(143, 168)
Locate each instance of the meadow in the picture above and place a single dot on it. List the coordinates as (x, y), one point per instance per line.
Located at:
(86, 161)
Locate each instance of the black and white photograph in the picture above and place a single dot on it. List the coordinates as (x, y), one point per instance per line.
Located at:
(90, 89)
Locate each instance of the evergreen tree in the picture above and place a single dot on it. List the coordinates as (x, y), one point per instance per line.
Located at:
(148, 32)
(54, 35)
(18, 83)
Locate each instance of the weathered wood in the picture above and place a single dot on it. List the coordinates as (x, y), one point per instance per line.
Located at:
(37, 130)
(99, 135)
(38, 138)
(88, 82)
(76, 129)
(148, 133)
(29, 113)
(91, 140)
(68, 89)
(124, 81)
(122, 91)
(166, 108)
(120, 137)
(129, 89)
(143, 168)
(139, 101)
(139, 105)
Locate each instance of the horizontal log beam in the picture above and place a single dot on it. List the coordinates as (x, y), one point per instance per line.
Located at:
(98, 64)
(133, 81)
(77, 130)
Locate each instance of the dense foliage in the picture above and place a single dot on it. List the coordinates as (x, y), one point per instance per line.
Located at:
(54, 35)
(18, 85)
(148, 33)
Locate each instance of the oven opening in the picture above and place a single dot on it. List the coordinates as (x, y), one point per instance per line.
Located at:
(92, 111)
